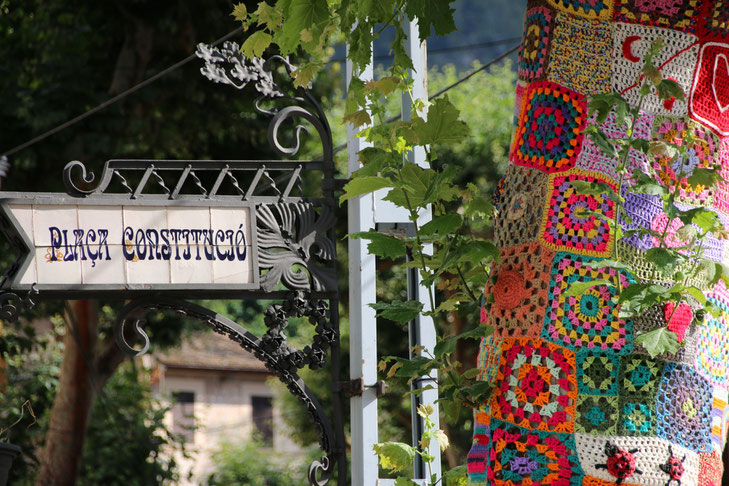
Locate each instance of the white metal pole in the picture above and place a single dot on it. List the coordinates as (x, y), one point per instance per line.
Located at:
(423, 328)
(362, 321)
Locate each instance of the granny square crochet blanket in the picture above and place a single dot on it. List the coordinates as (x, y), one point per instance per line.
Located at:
(576, 400)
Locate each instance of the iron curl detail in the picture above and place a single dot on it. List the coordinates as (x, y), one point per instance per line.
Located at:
(86, 176)
(11, 304)
(227, 65)
(296, 303)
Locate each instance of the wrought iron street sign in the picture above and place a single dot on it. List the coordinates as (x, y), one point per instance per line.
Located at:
(87, 246)
(160, 232)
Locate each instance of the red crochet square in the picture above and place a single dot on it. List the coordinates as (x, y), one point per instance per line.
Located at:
(709, 101)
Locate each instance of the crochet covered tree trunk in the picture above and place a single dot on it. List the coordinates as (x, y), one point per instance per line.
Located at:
(576, 400)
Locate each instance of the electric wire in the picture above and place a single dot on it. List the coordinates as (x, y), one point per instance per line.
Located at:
(114, 99)
(191, 57)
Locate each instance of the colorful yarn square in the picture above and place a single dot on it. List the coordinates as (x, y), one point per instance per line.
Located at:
(569, 223)
(580, 57)
(597, 415)
(683, 408)
(532, 458)
(477, 459)
(589, 320)
(709, 100)
(537, 385)
(551, 127)
(710, 469)
(592, 158)
(670, 14)
(521, 206)
(721, 197)
(489, 354)
(597, 373)
(714, 23)
(637, 417)
(719, 417)
(535, 42)
(630, 45)
(712, 354)
(639, 376)
(519, 285)
(590, 9)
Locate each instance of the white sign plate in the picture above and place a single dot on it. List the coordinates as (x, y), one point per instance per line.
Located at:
(135, 247)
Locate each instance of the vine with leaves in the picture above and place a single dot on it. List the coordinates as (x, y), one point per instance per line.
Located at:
(460, 258)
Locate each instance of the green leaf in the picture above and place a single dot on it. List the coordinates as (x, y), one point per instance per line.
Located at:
(664, 259)
(578, 288)
(269, 16)
(398, 311)
(696, 294)
(443, 126)
(602, 141)
(478, 206)
(456, 476)
(435, 14)
(658, 341)
(704, 177)
(256, 43)
(395, 456)
(403, 481)
(668, 88)
(442, 225)
(300, 15)
(416, 181)
(240, 12)
(373, 160)
(382, 245)
(610, 264)
(364, 185)
(417, 366)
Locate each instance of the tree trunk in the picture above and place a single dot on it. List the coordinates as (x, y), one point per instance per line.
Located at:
(61, 457)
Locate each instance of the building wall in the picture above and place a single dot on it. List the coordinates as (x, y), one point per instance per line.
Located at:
(223, 413)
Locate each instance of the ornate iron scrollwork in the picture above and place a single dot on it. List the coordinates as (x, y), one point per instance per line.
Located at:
(295, 235)
(283, 360)
(227, 65)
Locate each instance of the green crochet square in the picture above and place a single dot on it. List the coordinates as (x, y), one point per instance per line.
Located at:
(596, 415)
(637, 417)
(597, 373)
(639, 375)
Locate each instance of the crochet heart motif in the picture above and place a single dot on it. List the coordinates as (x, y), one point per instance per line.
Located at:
(721, 79)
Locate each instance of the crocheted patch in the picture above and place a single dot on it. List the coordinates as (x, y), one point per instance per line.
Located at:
(489, 354)
(580, 58)
(649, 453)
(710, 469)
(673, 14)
(521, 207)
(477, 459)
(639, 376)
(551, 127)
(721, 196)
(699, 155)
(590, 481)
(630, 44)
(590, 320)
(712, 355)
(523, 457)
(520, 284)
(568, 220)
(597, 373)
(683, 408)
(536, 385)
(714, 21)
(719, 417)
(535, 42)
(597, 415)
(636, 417)
(709, 100)
(591, 9)
(592, 157)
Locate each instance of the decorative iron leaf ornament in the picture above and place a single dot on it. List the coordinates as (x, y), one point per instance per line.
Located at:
(295, 235)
